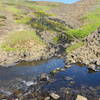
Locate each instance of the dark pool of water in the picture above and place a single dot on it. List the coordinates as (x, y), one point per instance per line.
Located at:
(73, 77)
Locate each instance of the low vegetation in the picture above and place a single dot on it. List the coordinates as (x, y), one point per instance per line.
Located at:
(91, 23)
(13, 10)
(17, 40)
(74, 46)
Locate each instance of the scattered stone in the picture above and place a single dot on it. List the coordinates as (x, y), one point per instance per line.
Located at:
(54, 96)
(72, 82)
(68, 78)
(58, 69)
(47, 98)
(44, 77)
(79, 97)
(29, 83)
(62, 69)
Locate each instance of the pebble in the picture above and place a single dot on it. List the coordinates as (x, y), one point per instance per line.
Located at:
(47, 98)
(54, 96)
(68, 78)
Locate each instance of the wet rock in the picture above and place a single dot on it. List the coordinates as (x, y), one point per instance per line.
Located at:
(68, 78)
(62, 69)
(30, 83)
(47, 98)
(54, 72)
(92, 66)
(58, 69)
(54, 96)
(72, 82)
(6, 93)
(67, 66)
(79, 97)
(44, 77)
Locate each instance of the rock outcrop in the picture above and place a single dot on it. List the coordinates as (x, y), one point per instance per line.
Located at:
(88, 54)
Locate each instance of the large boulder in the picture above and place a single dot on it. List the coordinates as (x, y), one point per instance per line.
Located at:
(79, 97)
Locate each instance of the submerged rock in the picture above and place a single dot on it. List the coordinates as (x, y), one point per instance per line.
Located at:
(79, 97)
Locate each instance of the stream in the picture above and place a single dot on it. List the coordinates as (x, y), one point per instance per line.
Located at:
(74, 80)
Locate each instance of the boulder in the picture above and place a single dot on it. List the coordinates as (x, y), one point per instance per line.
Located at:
(79, 97)
(44, 77)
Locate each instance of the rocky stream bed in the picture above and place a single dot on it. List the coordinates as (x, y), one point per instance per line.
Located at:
(49, 80)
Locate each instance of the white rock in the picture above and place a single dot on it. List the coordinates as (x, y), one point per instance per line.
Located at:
(29, 83)
(54, 96)
(79, 97)
(47, 98)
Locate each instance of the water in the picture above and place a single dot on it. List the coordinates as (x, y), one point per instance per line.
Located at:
(76, 77)
(80, 76)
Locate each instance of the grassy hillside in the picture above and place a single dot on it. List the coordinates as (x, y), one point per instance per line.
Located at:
(52, 17)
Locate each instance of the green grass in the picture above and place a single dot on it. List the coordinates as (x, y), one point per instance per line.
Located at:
(23, 20)
(17, 40)
(92, 20)
(39, 7)
(74, 46)
(14, 10)
(42, 22)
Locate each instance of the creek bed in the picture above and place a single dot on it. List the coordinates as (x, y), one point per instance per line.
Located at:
(74, 80)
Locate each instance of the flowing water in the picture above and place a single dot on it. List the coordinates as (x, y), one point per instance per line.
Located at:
(77, 77)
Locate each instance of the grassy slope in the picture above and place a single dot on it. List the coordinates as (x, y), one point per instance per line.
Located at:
(16, 39)
(91, 21)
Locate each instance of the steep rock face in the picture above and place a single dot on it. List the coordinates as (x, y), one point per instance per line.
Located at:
(89, 54)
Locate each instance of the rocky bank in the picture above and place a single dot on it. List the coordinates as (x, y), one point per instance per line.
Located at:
(88, 54)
